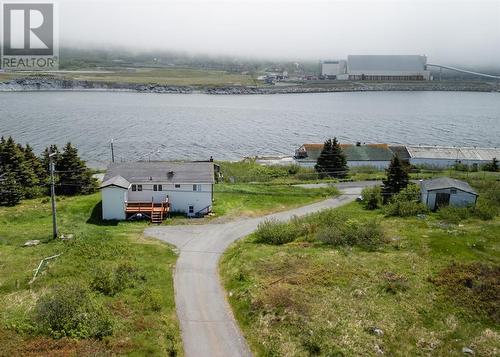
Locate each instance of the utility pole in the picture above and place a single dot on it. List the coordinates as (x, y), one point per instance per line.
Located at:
(112, 152)
(53, 196)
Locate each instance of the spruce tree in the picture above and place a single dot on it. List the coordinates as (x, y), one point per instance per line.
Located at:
(397, 179)
(332, 161)
(10, 190)
(13, 161)
(74, 176)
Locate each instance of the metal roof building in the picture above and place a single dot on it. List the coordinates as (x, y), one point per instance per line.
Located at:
(440, 156)
(387, 67)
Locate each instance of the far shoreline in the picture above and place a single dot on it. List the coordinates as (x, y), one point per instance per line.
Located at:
(64, 85)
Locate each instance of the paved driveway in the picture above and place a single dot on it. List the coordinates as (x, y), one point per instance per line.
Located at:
(207, 324)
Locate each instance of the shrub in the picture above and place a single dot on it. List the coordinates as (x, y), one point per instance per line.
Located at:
(70, 310)
(110, 282)
(404, 209)
(275, 232)
(485, 210)
(372, 197)
(454, 214)
(152, 299)
(352, 232)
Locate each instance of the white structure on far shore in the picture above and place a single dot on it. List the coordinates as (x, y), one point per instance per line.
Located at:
(377, 68)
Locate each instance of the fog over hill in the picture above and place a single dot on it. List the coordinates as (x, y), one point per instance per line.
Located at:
(463, 32)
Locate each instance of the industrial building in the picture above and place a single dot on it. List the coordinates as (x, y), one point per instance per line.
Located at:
(377, 68)
(440, 156)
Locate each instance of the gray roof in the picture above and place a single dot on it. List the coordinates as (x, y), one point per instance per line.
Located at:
(453, 153)
(117, 181)
(446, 182)
(162, 171)
(386, 63)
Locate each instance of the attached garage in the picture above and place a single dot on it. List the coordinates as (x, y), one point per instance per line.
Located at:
(445, 191)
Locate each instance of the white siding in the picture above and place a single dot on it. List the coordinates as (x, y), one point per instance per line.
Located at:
(113, 203)
(459, 199)
(180, 198)
(442, 163)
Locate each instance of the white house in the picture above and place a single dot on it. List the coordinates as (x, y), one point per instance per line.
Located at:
(444, 191)
(155, 189)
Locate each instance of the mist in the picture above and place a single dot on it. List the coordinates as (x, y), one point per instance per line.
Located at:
(448, 32)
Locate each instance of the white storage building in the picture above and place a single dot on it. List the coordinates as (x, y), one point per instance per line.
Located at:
(444, 191)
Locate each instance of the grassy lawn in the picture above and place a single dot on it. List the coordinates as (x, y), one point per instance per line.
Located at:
(143, 315)
(307, 298)
(259, 199)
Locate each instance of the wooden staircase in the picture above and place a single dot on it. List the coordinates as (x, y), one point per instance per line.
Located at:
(157, 216)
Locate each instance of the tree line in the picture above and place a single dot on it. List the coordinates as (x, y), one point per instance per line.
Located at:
(25, 175)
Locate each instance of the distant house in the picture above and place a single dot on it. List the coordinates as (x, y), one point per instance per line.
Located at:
(444, 191)
(441, 156)
(155, 189)
(375, 155)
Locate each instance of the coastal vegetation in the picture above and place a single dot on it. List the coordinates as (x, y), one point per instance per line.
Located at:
(25, 175)
(414, 285)
(109, 291)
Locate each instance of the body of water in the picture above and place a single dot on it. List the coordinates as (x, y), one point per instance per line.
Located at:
(197, 126)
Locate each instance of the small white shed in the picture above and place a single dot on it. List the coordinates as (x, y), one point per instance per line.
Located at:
(445, 191)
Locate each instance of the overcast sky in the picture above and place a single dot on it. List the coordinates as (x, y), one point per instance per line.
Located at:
(448, 32)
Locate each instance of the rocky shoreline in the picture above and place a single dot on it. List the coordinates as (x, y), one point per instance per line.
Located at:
(56, 84)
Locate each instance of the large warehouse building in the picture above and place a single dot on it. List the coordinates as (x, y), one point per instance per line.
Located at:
(378, 68)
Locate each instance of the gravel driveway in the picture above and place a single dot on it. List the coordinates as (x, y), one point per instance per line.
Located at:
(207, 323)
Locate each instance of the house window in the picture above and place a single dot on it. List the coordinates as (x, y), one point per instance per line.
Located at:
(160, 188)
(139, 187)
(196, 187)
(177, 185)
(134, 188)
(191, 209)
(453, 191)
(155, 188)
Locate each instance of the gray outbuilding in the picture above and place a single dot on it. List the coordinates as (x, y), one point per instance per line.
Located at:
(445, 191)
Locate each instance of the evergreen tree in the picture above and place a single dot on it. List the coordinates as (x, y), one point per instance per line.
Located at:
(492, 166)
(10, 190)
(397, 179)
(35, 163)
(332, 161)
(13, 161)
(74, 176)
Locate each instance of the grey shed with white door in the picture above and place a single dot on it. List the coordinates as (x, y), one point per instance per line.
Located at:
(445, 191)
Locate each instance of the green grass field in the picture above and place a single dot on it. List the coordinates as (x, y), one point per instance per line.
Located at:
(250, 200)
(138, 330)
(306, 298)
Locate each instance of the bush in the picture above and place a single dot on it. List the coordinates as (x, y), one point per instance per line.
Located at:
(275, 232)
(112, 282)
(454, 214)
(352, 232)
(70, 310)
(404, 209)
(152, 299)
(372, 197)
